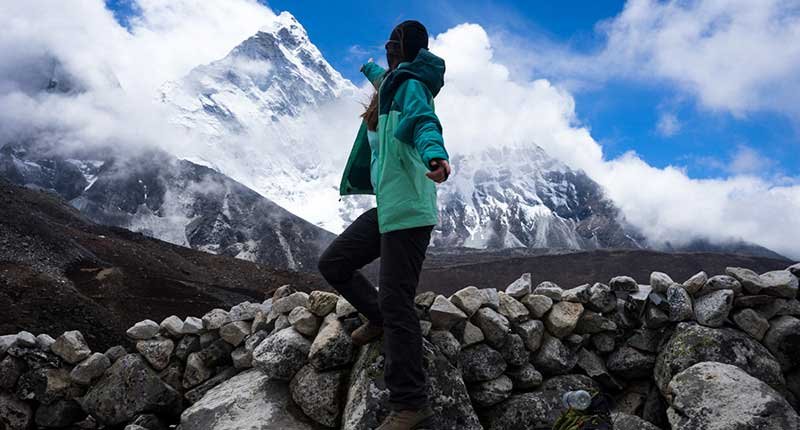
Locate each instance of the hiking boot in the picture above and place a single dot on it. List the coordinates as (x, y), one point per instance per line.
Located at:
(408, 420)
(366, 334)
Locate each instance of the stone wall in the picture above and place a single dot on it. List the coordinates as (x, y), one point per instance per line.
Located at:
(711, 352)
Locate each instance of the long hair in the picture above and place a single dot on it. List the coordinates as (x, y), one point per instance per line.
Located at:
(395, 54)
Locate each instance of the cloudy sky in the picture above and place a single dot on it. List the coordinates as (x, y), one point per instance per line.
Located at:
(684, 110)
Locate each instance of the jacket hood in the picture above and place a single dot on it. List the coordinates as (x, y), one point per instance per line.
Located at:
(426, 68)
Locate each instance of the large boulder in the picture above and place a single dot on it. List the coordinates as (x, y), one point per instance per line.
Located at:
(538, 409)
(751, 282)
(321, 395)
(444, 314)
(281, 355)
(249, 400)
(713, 308)
(481, 363)
(717, 396)
(691, 344)
(563, 318)
(71, 347)
(14, 413)
(468, 299)
(332, 347)
(128, 388)
(367, 397)
(494, 326)
(780, 283)
(783, 340)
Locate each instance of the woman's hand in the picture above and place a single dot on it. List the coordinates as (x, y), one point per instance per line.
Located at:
(440, 172)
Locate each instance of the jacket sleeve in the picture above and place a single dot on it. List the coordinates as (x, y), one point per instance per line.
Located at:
(419, 126)
(374, 73)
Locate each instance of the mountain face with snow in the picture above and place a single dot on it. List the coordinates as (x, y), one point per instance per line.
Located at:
(154, 193)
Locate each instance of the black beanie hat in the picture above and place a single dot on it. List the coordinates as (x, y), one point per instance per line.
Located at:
(406, 40)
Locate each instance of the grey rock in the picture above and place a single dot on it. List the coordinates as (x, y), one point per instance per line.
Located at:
(281, 323)
(592, 322)
(490, 393)
(680, 303)
(553, 357)
(11, 368)
(242, 358)
(197, 393)
(444, 314)
(794, 270)
(26, 339)
(603, 342)
(425, 327)
(71, 347)
(717, 396)
(186, 346)
(286, 304)
(261, 322)
(524, 377)
(46, 385)
(655, 317)
(712, 309)
(150, 422)
(244, 311)
(172, 326)
(629, 363)
(512, 309)
(746, 301)
(579, 294)
(751, 323)
(468, 299)
(624, 284)
(538, 409)
(249, 400)
(320, 394)
(173, 375)
(209, 337)
(549, 289)
(115, 353)
(601, 298)
(447, 343)
(696, 282)
(660, 282)
(215, 319)
(472, 334)
(595, 368)
(425, 300)
(332, 347)
(491, 298)
(783, 340)
(514, 352)
(494, 326)
(623, 421)
(480, 363)
(321, 303)
(344, 308)
(691, 344)
(14, 413)
(234, 332)
(720, 283)
(521, 287)
(282, 354)
(156, 351)
(780, 283)
(750, 280)
(305, 322)
(44, 341)
(648, 340)
(367, 397)
(192, 325)
(254, 340)
(129, 388)
(196, 371)
(537, 305)
(59, 414)
(563, 318)
(90, 369)
(283, 291)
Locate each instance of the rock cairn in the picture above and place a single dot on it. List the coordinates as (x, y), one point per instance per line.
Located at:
(712, 352)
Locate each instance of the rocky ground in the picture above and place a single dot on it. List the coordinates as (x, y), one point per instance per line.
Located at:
(713, 352)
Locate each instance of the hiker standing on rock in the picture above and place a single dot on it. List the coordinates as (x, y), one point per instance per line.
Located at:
(398, 155)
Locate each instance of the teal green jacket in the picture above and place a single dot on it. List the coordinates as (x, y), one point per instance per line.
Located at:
(409, 137)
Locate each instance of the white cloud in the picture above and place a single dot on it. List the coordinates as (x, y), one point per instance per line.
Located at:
(482, 105)
(668, 124)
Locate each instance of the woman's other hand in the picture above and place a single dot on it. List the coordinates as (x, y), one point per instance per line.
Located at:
(440, 172)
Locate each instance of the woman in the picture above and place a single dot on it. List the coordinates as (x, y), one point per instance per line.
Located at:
(398, 155)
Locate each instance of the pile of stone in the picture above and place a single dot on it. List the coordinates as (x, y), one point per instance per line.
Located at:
(711, 352)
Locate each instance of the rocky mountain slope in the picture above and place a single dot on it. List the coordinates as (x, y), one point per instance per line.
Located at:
(60, 270)
(713, 352)
(173, 200)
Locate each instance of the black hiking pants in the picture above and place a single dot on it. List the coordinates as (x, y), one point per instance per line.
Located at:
(402, 253)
